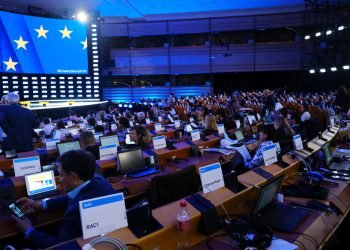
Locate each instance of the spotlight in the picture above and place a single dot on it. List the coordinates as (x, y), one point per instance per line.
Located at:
(346, 67)
(120, 105)
(307, 37)
(341, 27)
(130, 106)
(322, 70)
(318, 34)
(333, 69)
(82, 16)
(125, 105)
(312, 71)
(328, 32)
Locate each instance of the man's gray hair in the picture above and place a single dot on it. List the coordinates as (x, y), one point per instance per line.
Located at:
(13, 98)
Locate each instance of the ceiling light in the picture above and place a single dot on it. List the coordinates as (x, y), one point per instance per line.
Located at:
(318, 34)
(341, 27)
(307, 37)
(346, 67)
(328, 32)
(312, 71)
(333, 69)
(82, 16)
(322, 70)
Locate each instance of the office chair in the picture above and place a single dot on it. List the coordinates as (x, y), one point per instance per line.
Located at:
(171, 187)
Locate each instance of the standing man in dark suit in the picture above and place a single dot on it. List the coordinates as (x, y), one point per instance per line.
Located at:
(18, 123)
(76, 168)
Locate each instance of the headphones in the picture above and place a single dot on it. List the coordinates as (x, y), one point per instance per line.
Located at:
(249, 234)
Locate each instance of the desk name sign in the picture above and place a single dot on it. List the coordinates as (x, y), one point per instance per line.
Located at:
(159, 142)
(102, 215)
(157, 127)
(195, 134)
(298, 143)
(108, 152)
(24, 166)
(211, 177)
(221, 129)
(51, 143)
(269, 154)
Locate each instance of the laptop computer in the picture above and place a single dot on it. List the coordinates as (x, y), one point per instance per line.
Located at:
(240, 137)
(277, 215)
(63, 147)
(40, 185)
(341, 165)
(132, 164)
(109, 140)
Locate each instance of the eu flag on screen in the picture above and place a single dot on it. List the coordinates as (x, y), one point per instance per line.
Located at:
(42, 45)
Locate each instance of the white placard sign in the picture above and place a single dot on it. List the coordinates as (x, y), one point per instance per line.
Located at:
(269, 154)
(298, 143)
(108, 152)
(97, 136)
(160, 119)
(51, 143)
(177, 123)
(211, 177)
(221, 129)
(69, 123)
(24, 166)
(157, 127)
(238, 123)
(159, 142)
(278, 147)
(195, 134)
(148, 121)
(99, 122)
(102, 215)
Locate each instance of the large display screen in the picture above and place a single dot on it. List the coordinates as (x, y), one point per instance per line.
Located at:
(36, 45)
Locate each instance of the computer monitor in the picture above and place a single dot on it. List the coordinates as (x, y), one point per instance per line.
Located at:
(130, 160)
(267, 194)
(40, 182)
(327, 153)
(109, 140)
(63, 147)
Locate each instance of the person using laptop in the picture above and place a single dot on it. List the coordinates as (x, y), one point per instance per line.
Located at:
(141, 136)
(76, 169)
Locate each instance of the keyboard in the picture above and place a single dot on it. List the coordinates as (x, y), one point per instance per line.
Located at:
(43, 195)
(143, 172)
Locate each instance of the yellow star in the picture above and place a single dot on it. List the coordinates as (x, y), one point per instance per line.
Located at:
(66, 32)
(41, 32)
(10, 64)
(21, 43)
(84, 43)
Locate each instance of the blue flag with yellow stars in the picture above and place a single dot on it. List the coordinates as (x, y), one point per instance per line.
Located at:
(39, 45)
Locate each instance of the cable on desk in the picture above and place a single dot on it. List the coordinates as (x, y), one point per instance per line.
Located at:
(218, 199)
(114, 241)
(315, 243)
(207, 242)
(334, 195)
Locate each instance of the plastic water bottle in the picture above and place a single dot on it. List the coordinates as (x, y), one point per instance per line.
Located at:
(183, 221)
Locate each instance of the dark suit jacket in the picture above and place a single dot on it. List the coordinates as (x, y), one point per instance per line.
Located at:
(71, 225)
(18, 123)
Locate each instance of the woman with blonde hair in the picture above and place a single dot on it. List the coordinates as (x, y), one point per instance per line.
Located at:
(210, 124)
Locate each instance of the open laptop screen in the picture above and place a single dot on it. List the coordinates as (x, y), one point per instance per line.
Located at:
(130, 160)
(267, 194)
(109, 140)
(239, 135)
(40, 182)
(67, 146)
(327, 153)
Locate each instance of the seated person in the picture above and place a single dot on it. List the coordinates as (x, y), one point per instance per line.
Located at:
(141, 136)
(141, 117)
(257, 159)
(61, 126)
(76, 168)
(283, 133)
(92, 123)
(210, 124)
(123, 125)
(88, 143)
(48, 127)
